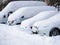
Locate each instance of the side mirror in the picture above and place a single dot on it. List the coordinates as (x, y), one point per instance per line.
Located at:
(4, 16)
(9, 13)
(22, 17)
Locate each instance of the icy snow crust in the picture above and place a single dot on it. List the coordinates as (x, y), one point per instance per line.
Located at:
(14, 36)
(41, 16)
(28, 12)
(14, 5)
(48, 24)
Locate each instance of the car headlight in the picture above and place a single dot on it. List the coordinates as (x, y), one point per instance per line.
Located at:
(35, 30)
(36, 27)
(10, 22)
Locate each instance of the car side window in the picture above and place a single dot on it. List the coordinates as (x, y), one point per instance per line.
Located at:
(10, 13)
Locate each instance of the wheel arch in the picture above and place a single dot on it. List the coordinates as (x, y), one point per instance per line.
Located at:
(54, 28)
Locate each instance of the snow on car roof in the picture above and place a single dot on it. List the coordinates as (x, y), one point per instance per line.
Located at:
(25, 10)
(51, 20)
(14, 5)
(40, 16)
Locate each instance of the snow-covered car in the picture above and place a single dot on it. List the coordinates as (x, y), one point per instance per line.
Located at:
(26, 12)
(48, 27)
(27, 24)
(14, 5)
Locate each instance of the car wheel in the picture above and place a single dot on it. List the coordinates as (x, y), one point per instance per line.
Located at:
(54, 32)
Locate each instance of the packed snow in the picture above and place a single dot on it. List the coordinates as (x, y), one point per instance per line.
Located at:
(12, 35)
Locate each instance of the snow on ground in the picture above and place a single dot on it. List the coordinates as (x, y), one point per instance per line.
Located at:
(12, 35)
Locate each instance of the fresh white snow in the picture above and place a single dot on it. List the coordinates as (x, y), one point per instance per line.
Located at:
(27, 12)
(14, 5)
(12, 35)
(16, 35)
(45, 26)
(26, 24)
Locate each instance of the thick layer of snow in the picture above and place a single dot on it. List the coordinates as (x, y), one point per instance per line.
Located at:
(41, 16)
(14, 5)
(9, 35)
(45, 26)
(27, 12)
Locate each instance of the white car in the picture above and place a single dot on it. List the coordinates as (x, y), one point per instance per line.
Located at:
(48, 27)
(14, 5)
(26, 12)
(27, 24)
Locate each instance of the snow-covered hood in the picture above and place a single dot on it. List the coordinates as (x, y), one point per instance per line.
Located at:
(53, 21)
(41, 16)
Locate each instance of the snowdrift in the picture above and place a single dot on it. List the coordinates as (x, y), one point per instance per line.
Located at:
(13, 36)
(14, 5)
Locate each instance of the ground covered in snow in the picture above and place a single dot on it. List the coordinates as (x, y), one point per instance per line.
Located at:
(14, 35)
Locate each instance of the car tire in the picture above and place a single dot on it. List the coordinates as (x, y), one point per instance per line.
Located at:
(54, 32)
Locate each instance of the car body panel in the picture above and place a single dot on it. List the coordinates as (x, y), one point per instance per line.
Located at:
(39, 17)
(14, 5)
(47, 25)
(28, 12)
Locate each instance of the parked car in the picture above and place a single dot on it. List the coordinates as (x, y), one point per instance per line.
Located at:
(14, 5)
(25, 13)
(48, 27)
(27, 24)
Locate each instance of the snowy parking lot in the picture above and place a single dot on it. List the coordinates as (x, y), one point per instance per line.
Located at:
(19, 24)
(14, 35)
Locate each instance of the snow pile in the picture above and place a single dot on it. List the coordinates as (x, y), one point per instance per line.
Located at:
(25, 11)
(13, 36)
(28, 12)
(52, 22)
(39, 17)
(14, 5)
